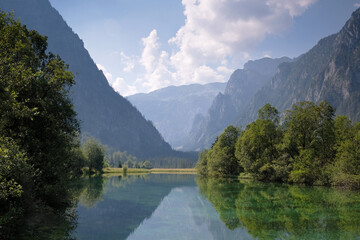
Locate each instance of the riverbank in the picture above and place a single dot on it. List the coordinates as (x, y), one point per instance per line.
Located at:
(153, 170)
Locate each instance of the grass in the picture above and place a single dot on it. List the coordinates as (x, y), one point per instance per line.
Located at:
(129, 170)
(153, 170)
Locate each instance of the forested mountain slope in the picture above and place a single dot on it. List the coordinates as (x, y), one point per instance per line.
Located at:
(104, 114)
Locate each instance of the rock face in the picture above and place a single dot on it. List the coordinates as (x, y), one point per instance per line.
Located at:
(104, 114)
(173, 109)
(241, 87)
(329, 71)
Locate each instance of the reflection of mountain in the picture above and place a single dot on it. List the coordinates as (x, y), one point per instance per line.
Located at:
(274, 211)
(126, 202)
(183, 214)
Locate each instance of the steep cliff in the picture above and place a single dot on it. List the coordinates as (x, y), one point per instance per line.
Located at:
(103, 113)
(240, 89)
(329, 71)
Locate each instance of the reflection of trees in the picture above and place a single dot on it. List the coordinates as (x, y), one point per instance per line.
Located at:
(44, 222)
(124, 180)
(93, 191)
(222, 194)
(272, 211)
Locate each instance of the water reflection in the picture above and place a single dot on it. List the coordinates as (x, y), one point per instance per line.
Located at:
(272, 211)
(178, 207)
(124, 203)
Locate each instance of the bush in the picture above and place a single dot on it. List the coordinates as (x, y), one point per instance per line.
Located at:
(125, 168)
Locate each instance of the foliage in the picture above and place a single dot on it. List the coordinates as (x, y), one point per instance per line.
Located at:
(221, 160)
(38, 125)
(282, 211)
(118, 157)
(310, 139)
(201, 165)
(310, 147)
(346, 170)
(257, 149)
(95, 155)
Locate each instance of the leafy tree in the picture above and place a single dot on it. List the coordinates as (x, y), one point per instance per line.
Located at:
(201, 165)
(347, 163)
(35, 108)
(117, 157)
(310, 138)
(270, 113)
(146, 164)
(221, 157)
(95, 155)
(256, 148)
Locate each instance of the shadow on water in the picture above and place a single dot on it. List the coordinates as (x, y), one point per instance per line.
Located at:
(41, 221)
(279, 211)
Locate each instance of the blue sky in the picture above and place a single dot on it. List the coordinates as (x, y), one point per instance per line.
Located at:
(144, 45)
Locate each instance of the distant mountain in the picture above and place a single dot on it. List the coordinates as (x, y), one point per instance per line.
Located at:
(240, 89)
(329, 71)
(173, 109)
(104, 114)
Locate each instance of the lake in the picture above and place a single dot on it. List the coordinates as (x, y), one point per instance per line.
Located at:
(180, 206)
(174, 206)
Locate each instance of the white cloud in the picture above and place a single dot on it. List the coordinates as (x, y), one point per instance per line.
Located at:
(156, 64)
(150, 53)
(217, 29)
(214, 34)
(128, 62)
(108, 75)
(118, 84)
(357, 5)
(121, 86)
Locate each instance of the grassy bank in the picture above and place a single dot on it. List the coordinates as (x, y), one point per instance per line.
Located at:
(153, 170)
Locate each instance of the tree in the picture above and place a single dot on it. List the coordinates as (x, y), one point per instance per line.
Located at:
(256, 148)
(35, 108)
(201, 164)
(95, 155)
(310, 140)
(347, 162)
(146, 164)
(221, 161)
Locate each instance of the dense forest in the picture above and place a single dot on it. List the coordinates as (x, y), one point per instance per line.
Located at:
(309, 145)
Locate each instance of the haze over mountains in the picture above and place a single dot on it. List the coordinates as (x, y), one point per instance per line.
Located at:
(330, 71)
(104, 114)
(173, 109)
(241, 87)
(190, 117)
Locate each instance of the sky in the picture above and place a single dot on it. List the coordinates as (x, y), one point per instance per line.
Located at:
(145, 45)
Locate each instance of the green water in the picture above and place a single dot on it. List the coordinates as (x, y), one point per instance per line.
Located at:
(175, 206)
(188, 207)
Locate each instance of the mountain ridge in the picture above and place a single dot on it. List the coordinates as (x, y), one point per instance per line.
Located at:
(103, 113)
(172, 109)
(242, 85)
(329, 71)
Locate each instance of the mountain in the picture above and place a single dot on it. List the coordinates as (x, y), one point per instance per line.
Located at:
(240, 89)
(104, 114)
(173, 109)
(329, 71)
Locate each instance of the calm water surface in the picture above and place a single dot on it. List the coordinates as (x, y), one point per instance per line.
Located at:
(171, 206)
